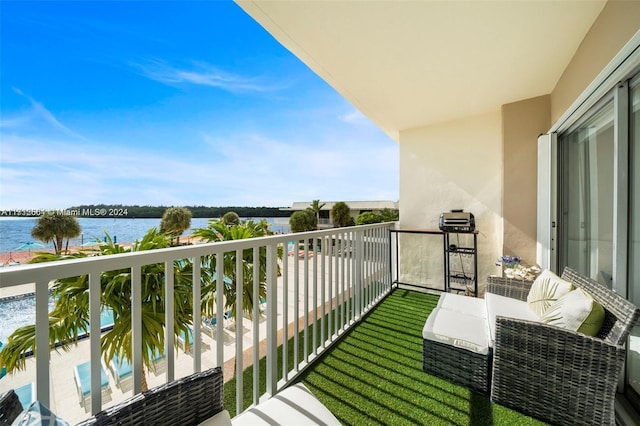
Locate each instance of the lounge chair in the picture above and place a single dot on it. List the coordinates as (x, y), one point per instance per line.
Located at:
(82, 378)
(26, 394)
(185, 341)
(210, 323)
(120, 369)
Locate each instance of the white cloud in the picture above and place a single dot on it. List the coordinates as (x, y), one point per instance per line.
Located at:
(39, 112)
(205, 75)
(353, 116)
(222, 167)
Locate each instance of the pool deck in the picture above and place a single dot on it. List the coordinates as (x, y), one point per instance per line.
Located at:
(16, 290)
(64, 394)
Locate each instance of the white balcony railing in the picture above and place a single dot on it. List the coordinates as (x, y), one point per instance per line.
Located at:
(319, 294)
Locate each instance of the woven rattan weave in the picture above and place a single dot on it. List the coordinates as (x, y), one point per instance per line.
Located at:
(186, 401)
(556, 375)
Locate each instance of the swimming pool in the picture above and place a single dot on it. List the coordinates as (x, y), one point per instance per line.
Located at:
(16, 312)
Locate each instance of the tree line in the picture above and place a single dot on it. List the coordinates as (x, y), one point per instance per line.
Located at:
(136, 211)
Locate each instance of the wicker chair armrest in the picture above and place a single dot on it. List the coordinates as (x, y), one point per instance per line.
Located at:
(10, 407)
(509, 287)
(189, 400)
(553, 374)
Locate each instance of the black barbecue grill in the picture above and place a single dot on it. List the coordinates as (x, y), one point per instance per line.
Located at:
(457, 221)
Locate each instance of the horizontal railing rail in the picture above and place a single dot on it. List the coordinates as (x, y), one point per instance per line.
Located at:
(316, 289)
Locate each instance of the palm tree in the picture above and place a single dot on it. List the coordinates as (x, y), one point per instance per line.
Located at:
(315, 208)
(55, 226)
(70, 315)
(218, 230)
(175, 221)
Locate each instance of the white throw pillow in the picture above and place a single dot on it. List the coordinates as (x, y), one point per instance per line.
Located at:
(576, 311)
(546, 289)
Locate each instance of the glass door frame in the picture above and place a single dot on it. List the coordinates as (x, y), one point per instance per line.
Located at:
(620, 95)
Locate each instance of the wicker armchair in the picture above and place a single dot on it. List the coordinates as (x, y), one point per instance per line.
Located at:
(186, 401)
(559, 376)
(10, 407)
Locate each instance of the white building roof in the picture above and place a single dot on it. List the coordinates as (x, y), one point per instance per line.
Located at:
(353, 205)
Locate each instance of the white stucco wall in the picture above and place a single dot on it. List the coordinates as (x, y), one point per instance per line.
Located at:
(454, 165)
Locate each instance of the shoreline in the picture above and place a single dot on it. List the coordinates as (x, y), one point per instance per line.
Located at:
(15, 258)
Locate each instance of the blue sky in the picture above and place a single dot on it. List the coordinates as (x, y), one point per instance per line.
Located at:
(172, 103)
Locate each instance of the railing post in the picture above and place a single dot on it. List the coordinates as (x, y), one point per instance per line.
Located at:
(296, 307)
(358, 266)
(169, 319)
(239, 330)
(197, 313)
(42, 342)
(285, 311)
(94, 342)
(314, 339)
(255, 324)
(136, 329)
(219, 308)
(272, 319)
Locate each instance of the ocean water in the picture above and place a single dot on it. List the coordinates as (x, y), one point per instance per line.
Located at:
(17, 231)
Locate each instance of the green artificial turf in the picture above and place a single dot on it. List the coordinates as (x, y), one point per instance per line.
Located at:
(373, 375)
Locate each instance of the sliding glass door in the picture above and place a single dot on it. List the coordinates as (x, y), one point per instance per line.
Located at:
(633, 360)
(598, 204)
(587, 187)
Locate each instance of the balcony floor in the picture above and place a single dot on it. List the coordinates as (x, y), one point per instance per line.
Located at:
(374, 374)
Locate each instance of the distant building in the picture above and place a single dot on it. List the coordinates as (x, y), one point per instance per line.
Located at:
(356, 207)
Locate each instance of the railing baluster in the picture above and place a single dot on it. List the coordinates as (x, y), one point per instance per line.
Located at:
(136, 329)
(296, 307)
(315, 297)
(219, 313)
(323, 283)
(256, 330)
(350, 281)
(343, 279)
(305, 291)
(94, 342)
(285, 311)
(197, 315)
(330, 260)
(272, 320)
(358, 273)
(42, 341)
(239, 331)
(169, 319)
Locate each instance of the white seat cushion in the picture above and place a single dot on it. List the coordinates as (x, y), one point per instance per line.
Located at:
(506, 307)
(457, 329)
(295, 405)
(221, 419)
(463, 304)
